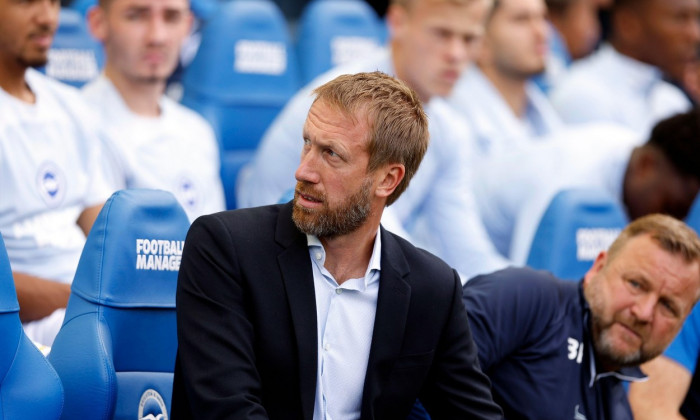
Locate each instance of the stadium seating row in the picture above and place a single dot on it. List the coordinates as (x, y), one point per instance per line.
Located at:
(115, 353)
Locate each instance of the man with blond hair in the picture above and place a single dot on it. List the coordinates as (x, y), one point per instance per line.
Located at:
(312, 310)
(574, 344)
(432, 41)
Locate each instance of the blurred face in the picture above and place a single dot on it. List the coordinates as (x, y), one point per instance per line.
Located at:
(579, 26)
(515, 44)
(434, 40)
(639, 299)
(26, 31)
(333, 196)
(142, 38)
(671, 31)
(657, 187)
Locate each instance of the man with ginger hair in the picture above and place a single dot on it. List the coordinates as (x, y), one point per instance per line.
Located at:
(574, 344)
(311, 309)
(432, 41)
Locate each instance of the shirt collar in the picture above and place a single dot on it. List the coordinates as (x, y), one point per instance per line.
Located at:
(375, 261)
(629, 374)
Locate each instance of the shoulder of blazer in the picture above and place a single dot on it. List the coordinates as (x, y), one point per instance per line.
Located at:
(419, 265)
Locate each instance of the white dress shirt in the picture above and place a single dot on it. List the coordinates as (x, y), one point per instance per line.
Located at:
(345, 323)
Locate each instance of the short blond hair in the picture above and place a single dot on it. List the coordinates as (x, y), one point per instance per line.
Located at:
(671, 234)
(398, 126)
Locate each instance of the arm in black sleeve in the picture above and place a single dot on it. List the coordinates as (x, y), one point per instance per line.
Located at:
(216, 374)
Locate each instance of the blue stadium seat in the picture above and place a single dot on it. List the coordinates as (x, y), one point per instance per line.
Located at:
(29, 386)
(693, 217)
(333, 32)
(232, 162)
(82, 6)
(115, 352)
(243, 74)
(577, 225)
(204, 9)
(75, 56)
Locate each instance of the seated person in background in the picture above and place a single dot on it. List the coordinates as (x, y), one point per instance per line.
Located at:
(576, 21)
(51, 184)
(574, 32)
(623, 82)
(155, 142)
(432, 41)
(503, 107)
(673, 389)
(311, 309)
(557, 349)
(661, 176)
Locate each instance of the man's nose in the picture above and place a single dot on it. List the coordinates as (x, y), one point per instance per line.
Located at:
(307, 170)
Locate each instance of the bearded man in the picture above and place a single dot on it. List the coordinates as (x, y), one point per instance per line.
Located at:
(311, 309)
(557, 349)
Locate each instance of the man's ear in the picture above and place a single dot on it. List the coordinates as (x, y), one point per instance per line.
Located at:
(96, 20)
(390, 178)
(396, 19)
(597, 266)
(646, 163)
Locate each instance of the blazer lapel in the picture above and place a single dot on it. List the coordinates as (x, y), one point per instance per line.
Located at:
(295, 267)
(390, 321)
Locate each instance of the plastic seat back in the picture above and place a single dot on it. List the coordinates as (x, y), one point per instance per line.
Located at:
(693, 217)
(243, 73)
(115, 352)
(334, 32)
(29, 386)
(75, 56)
(577, 225)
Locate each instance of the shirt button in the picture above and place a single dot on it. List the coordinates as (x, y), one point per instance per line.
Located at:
(338, 291)
(326, 347)
(319, 255)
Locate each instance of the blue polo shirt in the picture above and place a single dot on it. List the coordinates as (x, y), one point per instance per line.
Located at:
(532, 332)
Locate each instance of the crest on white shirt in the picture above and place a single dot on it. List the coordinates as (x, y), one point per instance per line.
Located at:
(51, 183)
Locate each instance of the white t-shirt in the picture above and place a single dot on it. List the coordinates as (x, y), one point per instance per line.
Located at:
(610, 87)
(50, 171)
(175, 152)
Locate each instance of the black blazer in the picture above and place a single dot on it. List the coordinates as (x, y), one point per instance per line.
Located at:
(246, 322)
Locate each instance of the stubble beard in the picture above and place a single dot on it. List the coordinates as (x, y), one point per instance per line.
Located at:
(605, 349)
(327, 222)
